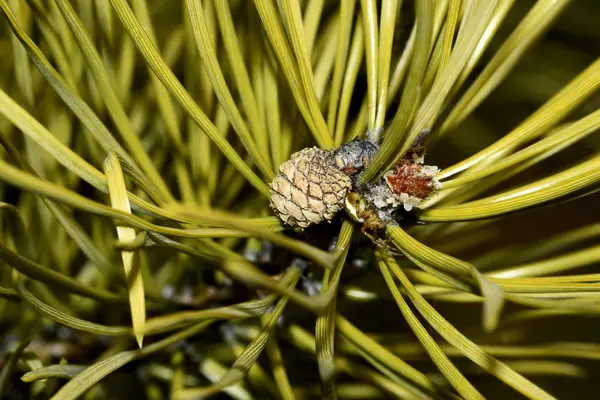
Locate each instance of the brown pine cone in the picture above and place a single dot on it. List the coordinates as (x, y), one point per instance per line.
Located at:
(309, 188)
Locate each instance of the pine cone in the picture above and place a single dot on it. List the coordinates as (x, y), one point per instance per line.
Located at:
(309, 188)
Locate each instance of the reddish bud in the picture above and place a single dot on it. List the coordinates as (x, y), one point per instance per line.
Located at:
(413, 179)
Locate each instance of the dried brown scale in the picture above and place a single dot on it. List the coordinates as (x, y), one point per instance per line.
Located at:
(412, 179)
(309, 188)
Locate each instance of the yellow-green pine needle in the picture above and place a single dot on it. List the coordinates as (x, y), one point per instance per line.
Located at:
(120, 201)
(470, 349)
(389, 17)
(490, 291)
(458, 380)
(370, 25)
(240, 73)
(325, 326)
(530, 28)
(206, 50)
(159, 67)
(578, 177)
(109, 97)
(345, 27)
(291, 12)
(355, 58)
(312, 18)
(576, 130)
(547, 116)
(83, 381)
(411, 94)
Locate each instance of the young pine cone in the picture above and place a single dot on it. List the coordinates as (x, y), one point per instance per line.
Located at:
(309, 188)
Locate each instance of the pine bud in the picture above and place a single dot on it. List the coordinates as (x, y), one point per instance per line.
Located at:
(309, 188)
(412, 181)
(355, 156)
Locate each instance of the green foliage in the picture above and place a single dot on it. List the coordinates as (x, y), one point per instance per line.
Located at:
(138, 253)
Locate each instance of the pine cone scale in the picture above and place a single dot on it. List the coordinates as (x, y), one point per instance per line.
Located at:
(299, 198)
(301, 182)
(315, 191)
